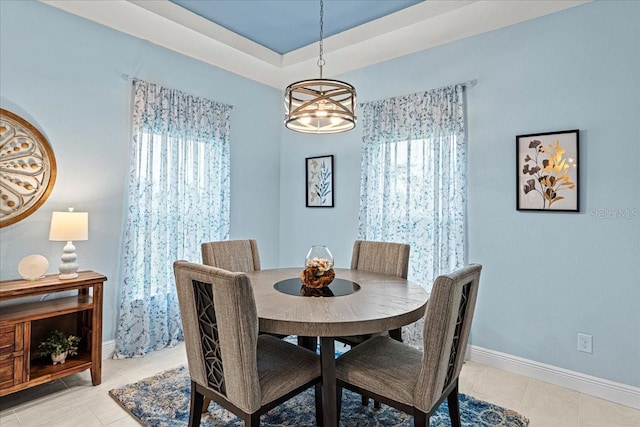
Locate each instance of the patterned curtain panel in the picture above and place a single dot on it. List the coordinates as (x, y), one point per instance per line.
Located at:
(178, 197)
(413, 184)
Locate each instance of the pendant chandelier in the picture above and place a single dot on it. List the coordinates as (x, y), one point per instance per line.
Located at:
(320, 105)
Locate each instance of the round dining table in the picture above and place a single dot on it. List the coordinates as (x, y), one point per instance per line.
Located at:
(363, 303)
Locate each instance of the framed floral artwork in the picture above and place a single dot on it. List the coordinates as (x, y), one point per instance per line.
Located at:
(548, 171)
(319, 173)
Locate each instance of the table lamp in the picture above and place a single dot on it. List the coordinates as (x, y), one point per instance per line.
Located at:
(67, 227)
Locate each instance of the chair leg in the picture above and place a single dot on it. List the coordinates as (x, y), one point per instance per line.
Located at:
(365, 401)
(420, 419)
(318, 399)
(338, 403)
(454, 407)
(396, 334)
(252, 420)
(195, 410)
(205, 405)
(310, 343)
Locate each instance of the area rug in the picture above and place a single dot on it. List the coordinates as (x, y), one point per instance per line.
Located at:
(163, 401)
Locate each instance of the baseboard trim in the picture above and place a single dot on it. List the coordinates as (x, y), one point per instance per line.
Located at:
(108, 348)
(609, 390)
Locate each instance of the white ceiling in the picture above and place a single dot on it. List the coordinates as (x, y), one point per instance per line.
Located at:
(388, 32)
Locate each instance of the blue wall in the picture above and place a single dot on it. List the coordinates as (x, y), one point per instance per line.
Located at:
(63, 74)
(546, 276)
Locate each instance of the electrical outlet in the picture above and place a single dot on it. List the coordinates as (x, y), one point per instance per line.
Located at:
(585, 343)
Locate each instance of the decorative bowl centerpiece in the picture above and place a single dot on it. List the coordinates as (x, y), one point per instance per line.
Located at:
(318, 272)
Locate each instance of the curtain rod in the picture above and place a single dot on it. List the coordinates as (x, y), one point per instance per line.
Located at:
(470, 83)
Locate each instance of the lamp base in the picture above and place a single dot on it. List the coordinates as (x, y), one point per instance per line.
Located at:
(69, 267)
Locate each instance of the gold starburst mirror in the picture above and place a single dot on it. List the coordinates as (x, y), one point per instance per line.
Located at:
(27, 168)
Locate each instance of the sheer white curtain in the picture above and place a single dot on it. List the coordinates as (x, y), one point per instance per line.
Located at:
(413, 182)
(178, 197)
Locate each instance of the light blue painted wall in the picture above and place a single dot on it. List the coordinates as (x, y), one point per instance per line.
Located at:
(63, 74)
(547, 276)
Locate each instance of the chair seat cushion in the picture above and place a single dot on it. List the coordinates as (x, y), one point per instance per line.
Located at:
(383, 366)
(283, 367)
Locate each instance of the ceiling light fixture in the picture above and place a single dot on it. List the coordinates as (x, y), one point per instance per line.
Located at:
(320, 105)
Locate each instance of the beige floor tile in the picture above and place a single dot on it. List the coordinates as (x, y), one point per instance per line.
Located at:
(596, 412)
(9, 419)
(31, 396)
(500, 387)
(469, 376)
(106, 409)
(127, 421)
(59, 413)
(547, 405)
(81, 379)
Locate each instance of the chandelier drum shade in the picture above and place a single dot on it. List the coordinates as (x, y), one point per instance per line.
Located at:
(320, 105)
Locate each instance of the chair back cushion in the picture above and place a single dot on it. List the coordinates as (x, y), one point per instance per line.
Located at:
(220, 325)
(446, 333)
(381, 257)
(232, 255)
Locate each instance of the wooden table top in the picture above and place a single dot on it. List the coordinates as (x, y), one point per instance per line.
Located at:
(48, 284)
(383, 303)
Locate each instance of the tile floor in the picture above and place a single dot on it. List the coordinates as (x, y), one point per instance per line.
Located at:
(75, 402)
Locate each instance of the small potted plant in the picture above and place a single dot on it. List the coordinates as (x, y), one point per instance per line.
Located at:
(59, 345)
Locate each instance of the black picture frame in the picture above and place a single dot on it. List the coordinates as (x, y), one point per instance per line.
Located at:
(547, 171)
(319, 181)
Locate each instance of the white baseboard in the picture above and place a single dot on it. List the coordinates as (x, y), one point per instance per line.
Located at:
(609, 390)
(108, 348)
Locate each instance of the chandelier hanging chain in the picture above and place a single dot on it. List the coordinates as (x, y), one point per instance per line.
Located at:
(321, 60)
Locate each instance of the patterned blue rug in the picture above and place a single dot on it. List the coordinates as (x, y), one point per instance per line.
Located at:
(163, 401)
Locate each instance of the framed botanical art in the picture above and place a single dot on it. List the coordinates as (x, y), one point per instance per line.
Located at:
(319, 175)
(548, 171)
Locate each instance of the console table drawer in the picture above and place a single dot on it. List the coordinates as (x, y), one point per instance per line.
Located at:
(11, 371)
(11, 338)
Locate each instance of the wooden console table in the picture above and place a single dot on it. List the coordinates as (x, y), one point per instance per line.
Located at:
(23, 324)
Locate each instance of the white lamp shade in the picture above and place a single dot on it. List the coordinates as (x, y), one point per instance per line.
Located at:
(69, 226)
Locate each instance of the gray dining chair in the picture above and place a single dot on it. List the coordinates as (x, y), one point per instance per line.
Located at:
(229, 362)
(384, 258)
(411, 380)
(379, 257)
(241, 255)
(232, 255)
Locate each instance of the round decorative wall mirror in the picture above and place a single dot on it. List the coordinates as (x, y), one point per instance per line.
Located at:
(27, 168)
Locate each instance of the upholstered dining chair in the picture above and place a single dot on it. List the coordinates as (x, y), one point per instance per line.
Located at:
(229, 362)
(410, 380)
(379, 257)
(240, 255)
(232, 255)
(384, 258)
